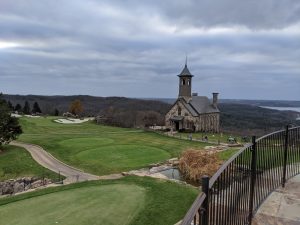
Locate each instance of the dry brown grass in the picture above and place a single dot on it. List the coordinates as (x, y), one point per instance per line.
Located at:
(196, 163)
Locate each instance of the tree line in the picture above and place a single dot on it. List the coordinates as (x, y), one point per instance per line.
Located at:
(26, 108)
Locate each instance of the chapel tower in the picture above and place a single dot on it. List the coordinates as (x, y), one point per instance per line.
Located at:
(185, 83)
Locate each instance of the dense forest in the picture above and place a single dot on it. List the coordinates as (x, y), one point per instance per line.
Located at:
(236, 116)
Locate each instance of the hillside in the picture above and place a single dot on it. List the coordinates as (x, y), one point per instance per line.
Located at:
(270, 103)
(236, 115)
(92, 105)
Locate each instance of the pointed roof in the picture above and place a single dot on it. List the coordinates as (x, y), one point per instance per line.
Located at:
(185, 72)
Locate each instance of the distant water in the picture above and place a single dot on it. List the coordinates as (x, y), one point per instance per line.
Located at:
(296, 109)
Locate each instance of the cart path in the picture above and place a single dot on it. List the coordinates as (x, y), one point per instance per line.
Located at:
(48, 161)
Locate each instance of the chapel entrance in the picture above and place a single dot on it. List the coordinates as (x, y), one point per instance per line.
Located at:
(177, 125)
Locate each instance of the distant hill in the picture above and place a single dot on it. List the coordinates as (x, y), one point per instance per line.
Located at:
(243, 117)
(269, 103)
(92, 105)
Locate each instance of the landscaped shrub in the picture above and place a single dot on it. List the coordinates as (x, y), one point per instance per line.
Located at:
(193, 164)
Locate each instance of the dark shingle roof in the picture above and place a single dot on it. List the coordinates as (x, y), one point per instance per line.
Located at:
(199, 105)
(185, 72)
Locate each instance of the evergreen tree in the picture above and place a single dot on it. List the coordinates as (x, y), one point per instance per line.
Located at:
(10, 106)
(9, 126)
(26, 108)
(18, 108)
(36, 108)
(56, 112)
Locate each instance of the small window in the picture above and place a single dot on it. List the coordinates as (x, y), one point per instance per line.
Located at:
(183, 82)
(189, 82)
(179, 111)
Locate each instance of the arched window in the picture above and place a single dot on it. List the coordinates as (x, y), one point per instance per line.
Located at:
(179, 111)
(183, 82)
(189, 82)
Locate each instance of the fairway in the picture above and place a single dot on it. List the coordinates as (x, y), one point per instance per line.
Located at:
(102, 149)
(131, 200)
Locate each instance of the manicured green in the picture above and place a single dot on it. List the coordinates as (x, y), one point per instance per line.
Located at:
(102, 149)
(131, 200)
(16, 162)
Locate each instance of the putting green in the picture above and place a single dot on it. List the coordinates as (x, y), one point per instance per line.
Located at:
(121, 157)
(86, 143)
(107, 204)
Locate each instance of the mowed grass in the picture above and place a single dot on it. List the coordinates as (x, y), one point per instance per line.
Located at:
(16, 162)
(131, 200)
(102, 149)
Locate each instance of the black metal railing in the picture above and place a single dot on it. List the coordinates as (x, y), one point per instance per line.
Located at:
(237, 189)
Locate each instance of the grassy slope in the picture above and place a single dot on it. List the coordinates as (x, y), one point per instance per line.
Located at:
(101, 149)
(131, 200)
(15, 162)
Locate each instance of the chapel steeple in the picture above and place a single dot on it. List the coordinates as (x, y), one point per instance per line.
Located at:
(185, 82)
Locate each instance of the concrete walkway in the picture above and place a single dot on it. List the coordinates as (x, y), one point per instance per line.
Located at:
(46, 160)
(282, 207)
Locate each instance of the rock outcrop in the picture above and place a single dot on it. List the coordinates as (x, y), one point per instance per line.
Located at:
(12, 186)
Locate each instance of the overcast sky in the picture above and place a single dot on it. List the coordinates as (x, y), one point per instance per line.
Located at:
(241, 49)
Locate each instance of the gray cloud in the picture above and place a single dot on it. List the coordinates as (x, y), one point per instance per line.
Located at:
(242, 49)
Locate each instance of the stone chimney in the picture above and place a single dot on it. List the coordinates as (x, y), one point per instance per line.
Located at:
(215, 99)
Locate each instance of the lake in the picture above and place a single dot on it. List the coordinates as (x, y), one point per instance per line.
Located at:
(296, 109)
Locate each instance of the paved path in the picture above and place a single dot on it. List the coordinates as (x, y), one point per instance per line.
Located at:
(48, 161)
(282, 207)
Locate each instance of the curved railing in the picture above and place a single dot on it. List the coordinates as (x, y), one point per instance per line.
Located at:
(243, 182)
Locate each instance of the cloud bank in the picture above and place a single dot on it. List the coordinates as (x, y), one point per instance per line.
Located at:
(242, 49)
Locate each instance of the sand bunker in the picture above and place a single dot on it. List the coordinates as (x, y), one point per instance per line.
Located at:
(31, 116)
(72, 120)
(15, 115)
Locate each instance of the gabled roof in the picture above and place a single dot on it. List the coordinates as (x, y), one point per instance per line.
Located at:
(188, 107)
(199, 105)
(203, 105)
(185, 72)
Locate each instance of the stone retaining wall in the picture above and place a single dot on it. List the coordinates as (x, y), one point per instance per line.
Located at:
(12, 186)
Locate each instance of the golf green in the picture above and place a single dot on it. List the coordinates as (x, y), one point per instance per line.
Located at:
(107, 204)
(130, 200)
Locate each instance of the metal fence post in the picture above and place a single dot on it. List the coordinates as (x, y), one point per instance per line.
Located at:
(286, 144)
(205, 206)
(253, 179)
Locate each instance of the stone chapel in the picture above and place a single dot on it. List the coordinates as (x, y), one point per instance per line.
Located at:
(192, 112)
